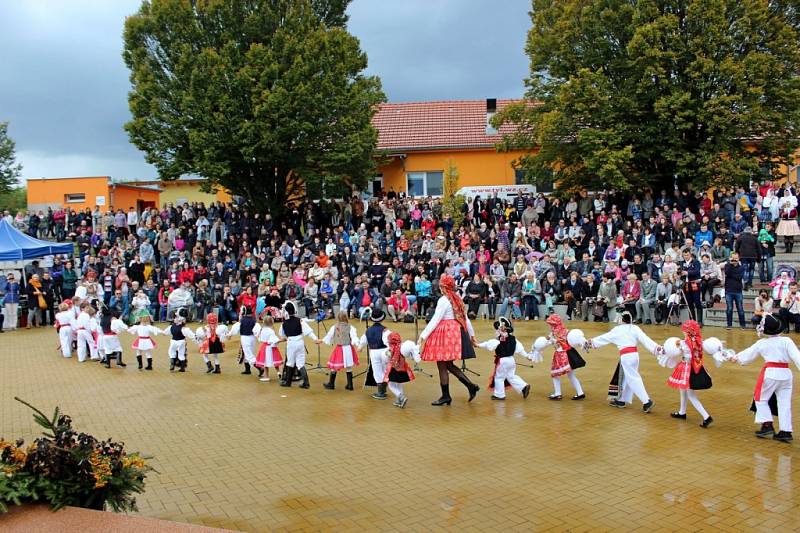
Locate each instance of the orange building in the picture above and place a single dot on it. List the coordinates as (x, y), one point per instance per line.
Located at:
(82, 192)
(418, 141)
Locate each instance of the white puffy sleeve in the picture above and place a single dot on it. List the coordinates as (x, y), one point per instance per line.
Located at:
(328, 339)
(490, 345)
(441, 308)
(234, 329)
(749, 354)
(307, 331)
(645, 341)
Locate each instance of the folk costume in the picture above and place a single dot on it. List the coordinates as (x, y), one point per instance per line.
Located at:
(83, 328)
(178, 333)
(690, 374)
(64, 317)
(111, 327)
(566, 359)
(504, 373)
(343, 337)
(627, 337)
(294, 330)
(449, 337)
(376, 338)
(398, 370)
(248, 329)
(268, 355)
(210, 339)
(773, 392)
(144, 343)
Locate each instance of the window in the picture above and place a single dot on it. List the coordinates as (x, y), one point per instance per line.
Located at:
(74, 198)
(425, 183)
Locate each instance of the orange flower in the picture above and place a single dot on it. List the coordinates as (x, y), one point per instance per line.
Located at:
(101, 469)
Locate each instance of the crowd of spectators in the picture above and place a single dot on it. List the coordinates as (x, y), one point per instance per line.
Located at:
(651, 253)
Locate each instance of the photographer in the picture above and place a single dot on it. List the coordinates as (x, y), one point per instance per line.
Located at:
(790, 307)
(734, 276)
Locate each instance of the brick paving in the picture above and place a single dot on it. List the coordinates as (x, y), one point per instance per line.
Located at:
(235, 453)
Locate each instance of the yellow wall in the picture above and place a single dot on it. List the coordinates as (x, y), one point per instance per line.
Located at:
(178, 192)
(44, 193)
(475, 167)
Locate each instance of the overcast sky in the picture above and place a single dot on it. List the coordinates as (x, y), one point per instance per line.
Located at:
(63, 85)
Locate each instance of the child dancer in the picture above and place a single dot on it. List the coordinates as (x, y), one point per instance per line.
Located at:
(177, 345)
(566, 359)
(144, 343)
(111, 326)
(344, 356)
(248, 329)
(504, 374)
(398, 370)
(775, 378)
(376, 338)
(293, 331)
(83, 327)
(690, 375)
(210, 339)
(63, 319)
(268, 355)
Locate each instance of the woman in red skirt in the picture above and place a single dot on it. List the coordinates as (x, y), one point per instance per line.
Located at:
(566, 359)
(449, 337)
(690, 375)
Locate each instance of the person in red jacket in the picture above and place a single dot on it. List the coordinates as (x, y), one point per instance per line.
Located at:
(247, 298)
(397, 305)
(186, 274)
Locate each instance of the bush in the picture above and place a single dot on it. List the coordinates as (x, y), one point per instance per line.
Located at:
(65, 467)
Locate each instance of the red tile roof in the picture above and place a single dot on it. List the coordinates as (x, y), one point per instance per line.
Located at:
(432, 125)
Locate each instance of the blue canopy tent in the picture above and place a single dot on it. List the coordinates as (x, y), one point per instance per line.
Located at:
(15, 245)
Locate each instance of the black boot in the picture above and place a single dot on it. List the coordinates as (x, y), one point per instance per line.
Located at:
(139, 360)
(260, 371)
(246, 369)
(349, 385)
(304, 377)
(182, 365)
(149, 364)
(107, 361)
(471, 387)
(119, 360)
(286, 377)
(445, 399)
(210, 367)
(217, 370)
(331, 384)
(380, 394)
(172, 364)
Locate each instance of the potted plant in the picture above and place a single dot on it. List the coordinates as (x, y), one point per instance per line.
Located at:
(68, 468)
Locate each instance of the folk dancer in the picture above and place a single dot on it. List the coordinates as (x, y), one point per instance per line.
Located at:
(398, 370)
(144, 343)
(627, 381)
(83, 326)
(178, 333)
(566, 359)
(111, 326)
(63, 319)
(449, 337)
(248, 329)
(293, 331)
(690, 374)
(773, 392)
(504, 374)
(209, 337)
(343, 337)
(376, 338)
(268, 355)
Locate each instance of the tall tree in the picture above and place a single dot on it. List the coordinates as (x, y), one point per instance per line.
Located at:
(10, 170)
(628, 93)
(258, 96)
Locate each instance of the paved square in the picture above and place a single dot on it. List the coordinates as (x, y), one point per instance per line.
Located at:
(236, 453)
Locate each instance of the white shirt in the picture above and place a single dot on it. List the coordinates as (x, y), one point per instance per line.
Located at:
(384, 337)
(307, 332)
(188, 333)
(775, 349)
(144, 330)
(118, 326)
(444, 311)
(268, 336)
(492, 345)
(235, 330)
(624, 336)
(65, 318)
(353, 336)
(133, 218)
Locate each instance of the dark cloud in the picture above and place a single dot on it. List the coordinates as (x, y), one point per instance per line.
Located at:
(63, 85)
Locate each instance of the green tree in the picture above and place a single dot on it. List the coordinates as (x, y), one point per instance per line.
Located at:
(258, 96)
(452, 203)
(629, 93)
(14, 200)
(10, 170)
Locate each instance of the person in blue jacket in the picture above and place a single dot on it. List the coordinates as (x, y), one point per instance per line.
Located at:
(9, 291)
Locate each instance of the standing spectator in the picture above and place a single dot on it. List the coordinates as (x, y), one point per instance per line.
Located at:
(647, 299)
(133, 220)
(749, 251)
(734, 277)
(36, 301)
(767, 239)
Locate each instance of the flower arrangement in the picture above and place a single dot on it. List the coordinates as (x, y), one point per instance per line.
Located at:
(67, 468)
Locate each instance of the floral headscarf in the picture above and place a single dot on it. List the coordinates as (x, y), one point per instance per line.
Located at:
(694, 340)
(213, 321)
(448, 287)
(396, 359)
(557, 327)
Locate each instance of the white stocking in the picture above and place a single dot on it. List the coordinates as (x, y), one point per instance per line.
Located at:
(575, 383)
(696, 403)
(557, 386)
(682, 410)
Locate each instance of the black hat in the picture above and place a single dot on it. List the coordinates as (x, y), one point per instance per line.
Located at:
(376, 315)
(246, 311)
(183, 312)
(289, 308)
(772, 325)
(504, 323)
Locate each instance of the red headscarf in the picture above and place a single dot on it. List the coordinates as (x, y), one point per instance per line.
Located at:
(396, 359)
(557, 327)
(694, 340)
(213, 321)
(448, 287)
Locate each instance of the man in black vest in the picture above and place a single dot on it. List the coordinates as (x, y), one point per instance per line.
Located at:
(377, 339)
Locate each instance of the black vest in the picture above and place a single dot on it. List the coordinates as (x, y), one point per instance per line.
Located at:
(292, 327)
(506, 348)
(374, 336)
(105, 324)
(177, 332)
(246, 325)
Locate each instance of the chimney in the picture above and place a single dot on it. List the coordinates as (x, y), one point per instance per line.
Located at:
(491, 109)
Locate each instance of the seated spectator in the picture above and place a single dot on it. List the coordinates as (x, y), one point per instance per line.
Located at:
(763, 306)
(790, 307)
